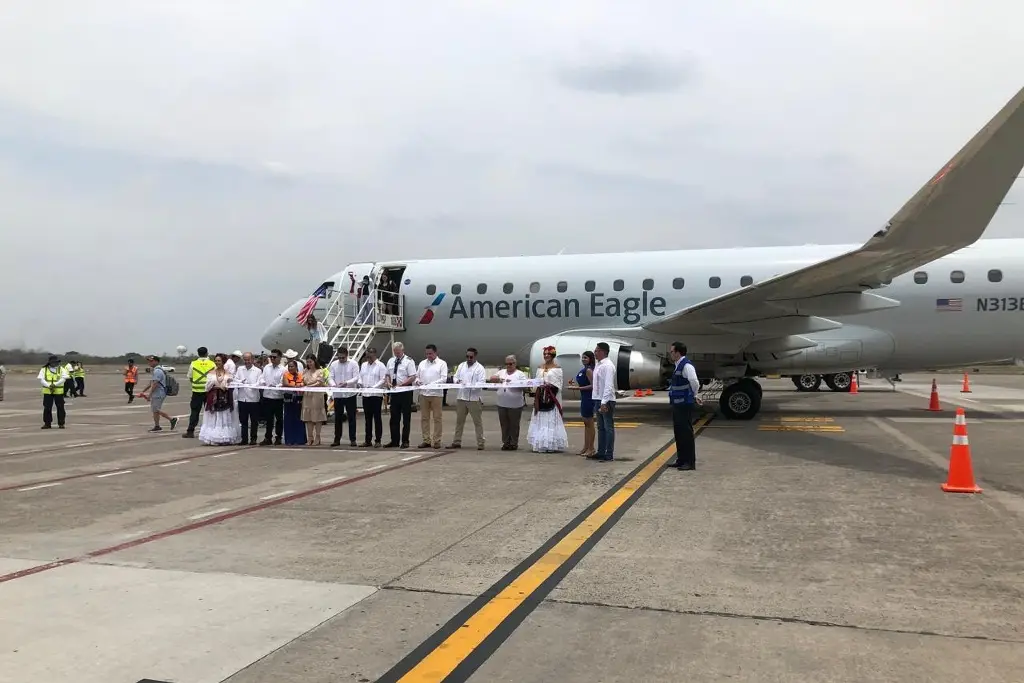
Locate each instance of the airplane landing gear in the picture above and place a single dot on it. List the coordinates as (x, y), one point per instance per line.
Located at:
(807, 382)
(840, 381)
(741, 400)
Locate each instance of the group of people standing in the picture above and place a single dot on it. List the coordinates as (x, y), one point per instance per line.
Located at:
(232, 414)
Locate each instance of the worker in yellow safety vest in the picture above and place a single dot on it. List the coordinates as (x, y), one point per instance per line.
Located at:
(197, 373)
(69, 382)
(52, 376)
(79, 376)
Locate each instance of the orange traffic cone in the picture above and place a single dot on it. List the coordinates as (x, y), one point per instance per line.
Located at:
(853, 384)
(961, 473)
(638, 393)
(966, 388)
(933, 403)
(649, 392)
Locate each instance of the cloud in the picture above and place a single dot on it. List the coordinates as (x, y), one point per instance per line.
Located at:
(628, 74)
(194, 169)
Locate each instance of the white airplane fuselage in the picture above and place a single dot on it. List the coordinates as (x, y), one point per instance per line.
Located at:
(504, 305)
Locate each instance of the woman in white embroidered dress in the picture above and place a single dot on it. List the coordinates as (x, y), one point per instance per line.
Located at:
(547, 430)
(220, 418)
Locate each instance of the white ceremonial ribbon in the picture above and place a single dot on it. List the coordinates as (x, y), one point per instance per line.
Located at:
(365, 391)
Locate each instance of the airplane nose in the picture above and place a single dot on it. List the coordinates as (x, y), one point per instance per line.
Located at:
(273, 335)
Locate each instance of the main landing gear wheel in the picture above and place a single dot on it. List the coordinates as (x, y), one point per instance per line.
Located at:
(840, 381)
(741, 401)
(807, 382)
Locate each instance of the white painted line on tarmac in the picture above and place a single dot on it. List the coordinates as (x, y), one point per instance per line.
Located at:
(113, 474)
(411, 457)
(375, 467)
(172, 464)
(272, 496)
(221, 455)
(40, 486)
(334, 479)
(210, 513)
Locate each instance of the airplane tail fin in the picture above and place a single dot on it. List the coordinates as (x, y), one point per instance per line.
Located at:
(959, 201)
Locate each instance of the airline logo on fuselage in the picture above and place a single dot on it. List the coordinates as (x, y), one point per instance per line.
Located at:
(428, 312)
(629, 310)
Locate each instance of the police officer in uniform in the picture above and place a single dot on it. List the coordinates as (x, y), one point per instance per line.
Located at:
(682, 394)
(197, 372)
(53, 378)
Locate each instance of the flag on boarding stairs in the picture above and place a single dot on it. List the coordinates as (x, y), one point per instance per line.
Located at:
(307, 308)
(949, 304)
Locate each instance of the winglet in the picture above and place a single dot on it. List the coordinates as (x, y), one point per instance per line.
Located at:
(959, 201)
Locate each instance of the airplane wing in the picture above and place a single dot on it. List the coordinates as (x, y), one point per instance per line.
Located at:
(950, 212)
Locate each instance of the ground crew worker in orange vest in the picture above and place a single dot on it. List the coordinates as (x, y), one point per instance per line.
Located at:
(131, 377)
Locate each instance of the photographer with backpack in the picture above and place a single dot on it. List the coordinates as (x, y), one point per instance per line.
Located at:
(157, 391)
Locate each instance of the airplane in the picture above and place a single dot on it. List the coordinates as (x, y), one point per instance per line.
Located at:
(923, 292)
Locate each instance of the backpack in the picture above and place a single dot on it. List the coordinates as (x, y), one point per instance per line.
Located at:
(170, 384)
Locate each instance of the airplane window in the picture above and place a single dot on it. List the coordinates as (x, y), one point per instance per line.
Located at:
(678, 283)
(618, 285)
(995, 276)
(590, 286)
(563, 286)
(507, 288)
(746, 281)
(957, 276)
(456, 290)
(920, 277)
(648, 284)
(431, 290)
(481, 288)
(714, 282)
(534, 287)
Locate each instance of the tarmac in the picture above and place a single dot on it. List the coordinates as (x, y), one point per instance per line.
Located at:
(812, 543)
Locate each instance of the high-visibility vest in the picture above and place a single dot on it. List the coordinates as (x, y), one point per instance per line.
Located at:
(53, 377)
(198, 370)
(79, 372)
(131, 375)
(70, 370)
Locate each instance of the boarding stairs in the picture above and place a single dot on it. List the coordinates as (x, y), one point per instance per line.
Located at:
(353, 322)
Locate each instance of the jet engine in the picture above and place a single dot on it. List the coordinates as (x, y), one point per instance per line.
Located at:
(633, 369)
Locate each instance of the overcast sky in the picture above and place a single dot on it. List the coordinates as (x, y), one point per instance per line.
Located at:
(156, 155)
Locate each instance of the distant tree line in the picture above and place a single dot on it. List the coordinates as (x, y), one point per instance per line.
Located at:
(39, 356)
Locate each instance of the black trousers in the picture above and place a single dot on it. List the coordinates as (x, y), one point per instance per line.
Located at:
(80, 385)
(682, 427)
(49, 401)
(401, 415)
(129, 388)
(372, 413)
(195, 406)
(249, 416)
(70, 388)
(273, 412)
(345, 407)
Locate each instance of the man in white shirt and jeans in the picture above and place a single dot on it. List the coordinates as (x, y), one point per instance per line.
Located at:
(432, 370)
(373, 375)
(604, 397)
(248, 400)
(469, 401)
(510, 402)
(343, 374)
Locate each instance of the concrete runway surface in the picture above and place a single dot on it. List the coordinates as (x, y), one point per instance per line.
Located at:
(811, 544)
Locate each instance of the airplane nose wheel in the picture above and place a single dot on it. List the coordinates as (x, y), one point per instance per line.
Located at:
(741, 401)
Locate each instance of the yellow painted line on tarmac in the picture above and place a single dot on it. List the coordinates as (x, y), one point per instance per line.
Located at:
(624, 425)
(799, 428)
(462, 645)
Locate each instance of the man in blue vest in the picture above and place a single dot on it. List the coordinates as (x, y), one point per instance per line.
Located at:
(682, 394)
